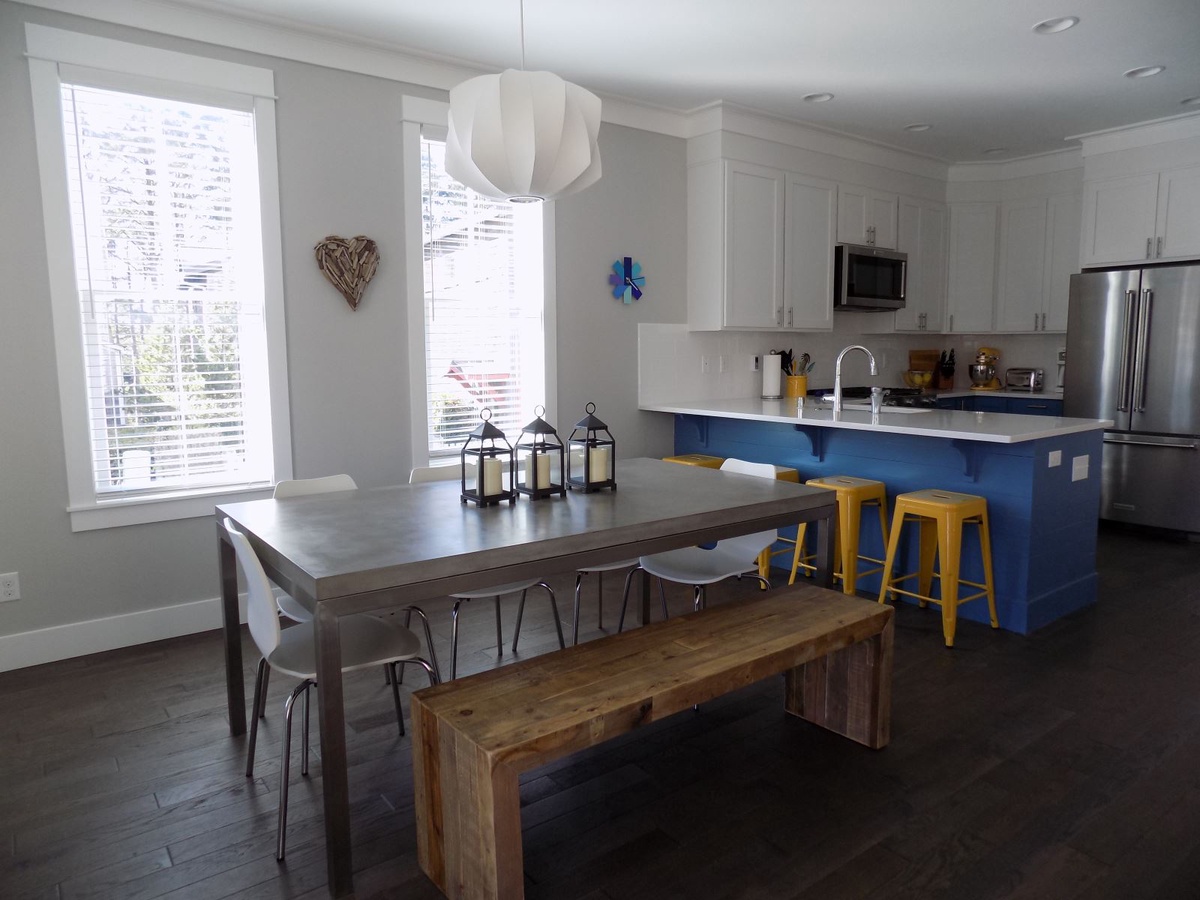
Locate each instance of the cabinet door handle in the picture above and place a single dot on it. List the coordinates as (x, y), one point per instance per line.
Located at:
(779, 317)
(1160, 248)
(1038, 406)
(789, 317)
(951, 321)
(1149, 242)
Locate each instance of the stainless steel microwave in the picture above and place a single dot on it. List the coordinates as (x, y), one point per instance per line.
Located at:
(869, 278)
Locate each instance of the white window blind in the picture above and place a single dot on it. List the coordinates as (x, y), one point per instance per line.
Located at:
(484, 300)
(166, 228)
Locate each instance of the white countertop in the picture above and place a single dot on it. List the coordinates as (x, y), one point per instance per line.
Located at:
(997, 428)
(1016, 395)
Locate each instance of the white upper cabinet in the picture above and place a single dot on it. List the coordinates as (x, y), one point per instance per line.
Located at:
(1020, 289)
(809, 217)
(1142, 217)
(921, 233)
(972, 266)
(866, 216)
(1062, 258)
(1178, 214)
(754, 199)
(760, 248)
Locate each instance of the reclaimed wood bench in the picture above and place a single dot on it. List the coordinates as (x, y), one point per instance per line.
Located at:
(472, 737)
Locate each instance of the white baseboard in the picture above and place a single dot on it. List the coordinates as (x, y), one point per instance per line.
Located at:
(32, 648)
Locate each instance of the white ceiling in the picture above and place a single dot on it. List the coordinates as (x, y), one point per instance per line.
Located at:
(973, 69)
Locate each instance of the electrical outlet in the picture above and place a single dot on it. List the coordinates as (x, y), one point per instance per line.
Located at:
(10, 587)
(755, 363)
(720, 363)
(704, 365)
(1055, 459)
(1079, 468)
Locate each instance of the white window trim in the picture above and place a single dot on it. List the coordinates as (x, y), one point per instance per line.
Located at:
(47, 49)
(418, 112)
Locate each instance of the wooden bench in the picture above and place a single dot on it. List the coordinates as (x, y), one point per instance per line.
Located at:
(472, 737)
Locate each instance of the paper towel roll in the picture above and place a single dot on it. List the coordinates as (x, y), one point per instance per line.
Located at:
(772, 368)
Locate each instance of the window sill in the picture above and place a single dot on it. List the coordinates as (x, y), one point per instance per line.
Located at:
(117, 512)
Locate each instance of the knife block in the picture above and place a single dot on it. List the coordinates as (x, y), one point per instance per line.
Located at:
(943, 382)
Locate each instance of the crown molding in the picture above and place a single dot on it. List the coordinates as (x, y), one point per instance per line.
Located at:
(1037, 164)
(1142, 134)
(729, 117)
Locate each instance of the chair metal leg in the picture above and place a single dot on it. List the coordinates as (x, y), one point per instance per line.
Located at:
(262, 704)
(698, 596)
(625, 597)
(285, 766)
(499, 630)
(557, 621)
(599, 599)
(408, 611)
(307, 739)
(554, 608)
(454, 639)
(435, 677)
(259, 683)
(396, 696)
(575, 623)
(520, 616)
(662, 596)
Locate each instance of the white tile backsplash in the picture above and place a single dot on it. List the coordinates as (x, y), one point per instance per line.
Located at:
(670, 357)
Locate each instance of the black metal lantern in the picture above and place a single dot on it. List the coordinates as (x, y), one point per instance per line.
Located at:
(495, 465)
(536, 461)
(592, 455)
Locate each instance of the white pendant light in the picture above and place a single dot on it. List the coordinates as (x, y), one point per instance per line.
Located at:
(523, 136)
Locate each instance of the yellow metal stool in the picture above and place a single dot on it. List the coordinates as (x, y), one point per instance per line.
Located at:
(941, 516)
(696, 459)
(852, 495)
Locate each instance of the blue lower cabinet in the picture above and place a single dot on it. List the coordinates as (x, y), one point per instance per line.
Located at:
(1027, 406)
(1035, 406)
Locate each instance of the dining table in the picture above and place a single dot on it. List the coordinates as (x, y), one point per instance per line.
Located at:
(375, 549)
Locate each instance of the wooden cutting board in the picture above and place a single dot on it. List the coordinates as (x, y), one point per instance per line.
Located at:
(923, 360)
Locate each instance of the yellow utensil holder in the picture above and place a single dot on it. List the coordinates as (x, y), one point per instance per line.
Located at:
(796, 385)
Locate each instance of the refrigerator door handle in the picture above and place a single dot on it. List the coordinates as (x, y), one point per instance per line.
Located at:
(1127, 347)
(1141, 361)
(1176, 443)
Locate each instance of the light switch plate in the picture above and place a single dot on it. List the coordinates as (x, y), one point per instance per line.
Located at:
(1079, 468)
(1055, 459)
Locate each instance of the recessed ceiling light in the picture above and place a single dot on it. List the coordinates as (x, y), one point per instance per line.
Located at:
(1054, 26)
(818, 98)
(1191, 101)
(995, 151)
(1145, 71)
(918, 126)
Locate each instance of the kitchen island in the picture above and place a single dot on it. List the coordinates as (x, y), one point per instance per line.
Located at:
(1040, 475)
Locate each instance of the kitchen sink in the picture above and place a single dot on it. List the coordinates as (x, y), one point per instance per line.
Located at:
(827, 402)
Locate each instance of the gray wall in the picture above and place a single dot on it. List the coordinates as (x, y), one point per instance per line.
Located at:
(339, 174)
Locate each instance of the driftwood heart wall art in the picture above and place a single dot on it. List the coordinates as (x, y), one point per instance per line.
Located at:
(348, 263)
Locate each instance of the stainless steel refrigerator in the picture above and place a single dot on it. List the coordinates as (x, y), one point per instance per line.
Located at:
(1133, 356)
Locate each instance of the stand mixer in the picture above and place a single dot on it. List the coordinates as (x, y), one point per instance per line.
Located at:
(983, 370)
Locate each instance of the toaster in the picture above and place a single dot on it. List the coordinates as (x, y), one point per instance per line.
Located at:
(1024, 379)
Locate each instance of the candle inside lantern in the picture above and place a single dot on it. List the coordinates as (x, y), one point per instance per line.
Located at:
(542, 478)
(597, 464)
(492, 468)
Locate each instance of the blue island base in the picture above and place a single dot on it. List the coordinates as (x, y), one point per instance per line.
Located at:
(1043, 502)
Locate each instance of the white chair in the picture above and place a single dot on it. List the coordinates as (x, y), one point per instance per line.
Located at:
(427, 474)
(366, 641)
(298, 487)
(292, 608)
(700, 566)
(599, 573)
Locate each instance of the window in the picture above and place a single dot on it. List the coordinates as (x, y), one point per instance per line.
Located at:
(483, 308)
(166, 309)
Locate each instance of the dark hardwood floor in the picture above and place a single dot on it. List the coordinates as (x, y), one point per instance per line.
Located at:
(1061, 765)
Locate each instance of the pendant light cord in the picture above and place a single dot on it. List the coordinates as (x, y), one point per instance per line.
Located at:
(522, 35)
